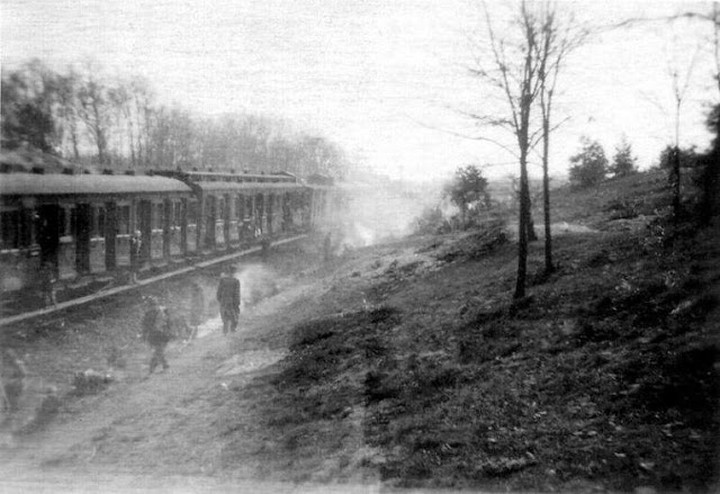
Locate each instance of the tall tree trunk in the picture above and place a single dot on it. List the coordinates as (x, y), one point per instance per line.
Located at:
(524, 216)
(99, 133)
(549, 268)
(532, 236)
(675, 181)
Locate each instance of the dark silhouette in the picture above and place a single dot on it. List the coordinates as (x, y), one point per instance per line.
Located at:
(228, 296)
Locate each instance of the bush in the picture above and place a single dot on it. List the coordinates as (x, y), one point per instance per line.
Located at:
(624, 163)
(431, 221)
(590, 165)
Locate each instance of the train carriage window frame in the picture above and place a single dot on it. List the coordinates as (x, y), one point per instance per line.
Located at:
(9, 230)
(239, 207)
(157, 216)
(192, 212)
(99, 220)
(177, 214)
(67, 222)
(220, 210)
(248, 207)
(124, 224)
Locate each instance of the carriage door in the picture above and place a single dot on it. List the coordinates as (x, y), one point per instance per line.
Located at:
(270, 212)
(110, 232)
(49, 233)
(259, 215)
(145, 227)
(227, 217)
(210, 217)
(83, 228)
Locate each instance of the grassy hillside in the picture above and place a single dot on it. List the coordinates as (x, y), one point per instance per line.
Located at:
(604, 377)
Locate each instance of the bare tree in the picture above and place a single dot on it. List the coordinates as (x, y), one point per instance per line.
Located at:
(143, 114)
(67, 91)
(512, 68)
(680, 83)
(558, 38)
(94, 108)
(121, 98)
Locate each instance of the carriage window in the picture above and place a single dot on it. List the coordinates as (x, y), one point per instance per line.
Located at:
(177, 217)
(169, 207)
(123, 223)
(239, 203)
(229, 210)
(72, 226)
(158, 213)
(102, 218)
(210, 209)
(26, 226)
(98, 222)
(9, 229)
(192, 213)
(62, 222)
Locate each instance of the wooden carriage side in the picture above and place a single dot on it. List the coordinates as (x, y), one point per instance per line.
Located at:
(81, 224)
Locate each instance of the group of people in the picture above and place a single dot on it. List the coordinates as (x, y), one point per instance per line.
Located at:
(158, 328)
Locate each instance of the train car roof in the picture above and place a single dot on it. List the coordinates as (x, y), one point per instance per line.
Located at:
(320, 187)
(31, 184)
(219, 186)
(283, 176)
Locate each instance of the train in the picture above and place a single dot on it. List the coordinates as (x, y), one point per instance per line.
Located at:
(80, 224)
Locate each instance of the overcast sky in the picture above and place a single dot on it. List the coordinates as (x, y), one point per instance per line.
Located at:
(381, 78)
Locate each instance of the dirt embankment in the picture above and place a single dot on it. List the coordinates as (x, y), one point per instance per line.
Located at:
(605, 377)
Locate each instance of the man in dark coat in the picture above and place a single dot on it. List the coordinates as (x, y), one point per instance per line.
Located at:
(228, 296)
(157, 332)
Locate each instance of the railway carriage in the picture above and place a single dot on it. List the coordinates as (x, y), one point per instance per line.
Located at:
(81, 224)
(237, 209)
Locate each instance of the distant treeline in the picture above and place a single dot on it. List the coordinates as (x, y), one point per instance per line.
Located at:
(84, 115)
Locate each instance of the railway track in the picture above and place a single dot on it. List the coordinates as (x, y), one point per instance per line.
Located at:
(6, 321)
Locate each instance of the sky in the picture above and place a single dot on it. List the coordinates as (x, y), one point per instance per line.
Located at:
(386, 80)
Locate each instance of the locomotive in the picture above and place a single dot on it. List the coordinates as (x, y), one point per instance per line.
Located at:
(80, 224)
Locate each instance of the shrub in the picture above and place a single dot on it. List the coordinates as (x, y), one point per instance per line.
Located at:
(590, 165)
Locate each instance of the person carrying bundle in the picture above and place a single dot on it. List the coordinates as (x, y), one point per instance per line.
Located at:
(157, 332)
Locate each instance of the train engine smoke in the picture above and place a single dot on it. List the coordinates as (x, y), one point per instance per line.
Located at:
(375, 212)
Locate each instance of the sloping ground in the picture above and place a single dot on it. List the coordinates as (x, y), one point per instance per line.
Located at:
(408, 363)
(605, 377)
(173, 423)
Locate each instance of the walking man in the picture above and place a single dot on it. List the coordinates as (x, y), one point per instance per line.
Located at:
(157, 332)
(228, 296)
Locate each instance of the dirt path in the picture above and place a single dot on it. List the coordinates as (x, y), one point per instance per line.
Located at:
(172, 423)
